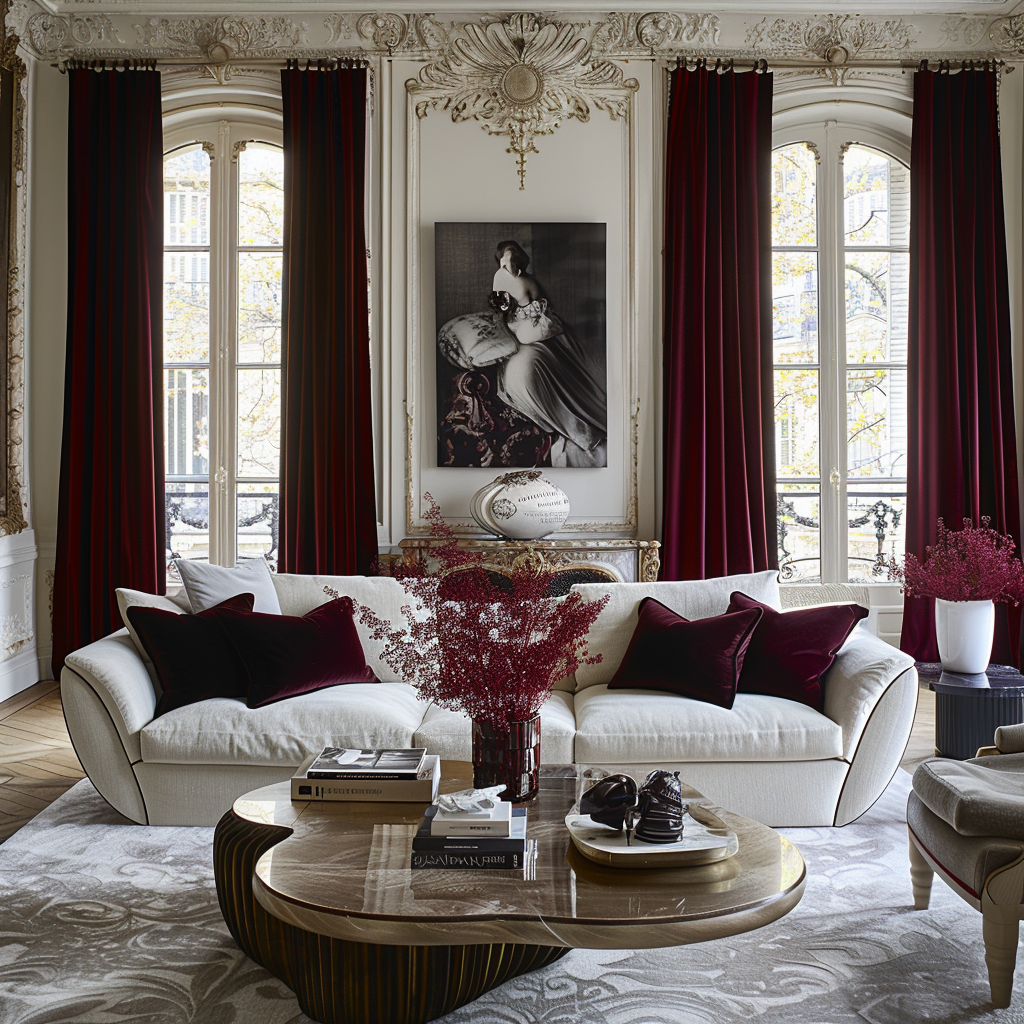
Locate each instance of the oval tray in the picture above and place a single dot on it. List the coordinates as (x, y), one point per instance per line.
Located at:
(704, 841)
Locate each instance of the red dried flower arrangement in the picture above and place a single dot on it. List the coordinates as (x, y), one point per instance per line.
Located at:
(486, 644)
(973, 564)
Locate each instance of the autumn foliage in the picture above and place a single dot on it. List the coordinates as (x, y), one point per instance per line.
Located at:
(486, 644)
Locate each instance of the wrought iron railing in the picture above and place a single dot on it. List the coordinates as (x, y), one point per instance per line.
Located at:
(885, 517)
(193, 510)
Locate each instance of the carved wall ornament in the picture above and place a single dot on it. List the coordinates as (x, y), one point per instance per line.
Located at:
(220, 39)
(521, 77)
(836, 38)
(966, 30)
(57, 35)
(1008, 34)
(625, 33)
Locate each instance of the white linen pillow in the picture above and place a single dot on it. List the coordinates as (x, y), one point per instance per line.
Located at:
(208, 585)
(177, 603)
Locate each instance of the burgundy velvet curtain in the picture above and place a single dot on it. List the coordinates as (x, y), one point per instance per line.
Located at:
(328, 507)
(962, 458)
(110, 515)
(719, 501)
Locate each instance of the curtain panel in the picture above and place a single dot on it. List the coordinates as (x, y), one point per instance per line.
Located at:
(328, 507)
(110, 514)
(962, 458)
(719, 472)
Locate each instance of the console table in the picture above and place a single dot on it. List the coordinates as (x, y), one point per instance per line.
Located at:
(968, 708)
(619, 560)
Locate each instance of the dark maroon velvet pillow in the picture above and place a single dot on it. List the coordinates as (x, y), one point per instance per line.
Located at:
(701, 659)
(791, 651)
(285, 655)
(190, 653)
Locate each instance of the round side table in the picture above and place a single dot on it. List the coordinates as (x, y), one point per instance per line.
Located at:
(968, 708)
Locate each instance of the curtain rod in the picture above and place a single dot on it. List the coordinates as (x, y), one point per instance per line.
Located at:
(323, 63)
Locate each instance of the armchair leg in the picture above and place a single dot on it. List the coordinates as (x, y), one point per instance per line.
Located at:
(1001, 931)
(920, 877)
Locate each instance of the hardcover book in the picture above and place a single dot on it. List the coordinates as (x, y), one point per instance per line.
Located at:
(421, 789)
(357, 763)
(514, 842)
(444, 823)
(452, 859)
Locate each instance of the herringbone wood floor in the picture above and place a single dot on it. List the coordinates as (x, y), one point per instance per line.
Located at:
(37, 762)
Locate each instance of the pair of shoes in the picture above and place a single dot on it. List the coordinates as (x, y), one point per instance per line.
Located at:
(653, 812)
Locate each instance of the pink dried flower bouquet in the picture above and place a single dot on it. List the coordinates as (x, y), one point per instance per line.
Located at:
(488, 645)
(975, 563)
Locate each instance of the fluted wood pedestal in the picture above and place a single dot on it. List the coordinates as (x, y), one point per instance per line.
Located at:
(322, 895)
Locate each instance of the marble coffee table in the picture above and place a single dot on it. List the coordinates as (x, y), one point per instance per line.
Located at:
(321, 894)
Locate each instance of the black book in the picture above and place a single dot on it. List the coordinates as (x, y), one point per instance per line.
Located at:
(478, 861)
(356, 764)
(424, 842)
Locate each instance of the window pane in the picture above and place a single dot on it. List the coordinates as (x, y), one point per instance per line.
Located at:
(794, 171)
(877, 304)
(259, 422)
(259, 307)
(799, 516)
(876, 422)
(877, 529)
(795, 307)
(187, 197)
(187, 508)
(796, 423)
(876, 198)
(256, 516)
(187, 426)
(186, 307)
(260, 195)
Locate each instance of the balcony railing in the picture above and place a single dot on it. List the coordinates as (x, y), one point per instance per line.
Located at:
(884, 517)
(192, 510)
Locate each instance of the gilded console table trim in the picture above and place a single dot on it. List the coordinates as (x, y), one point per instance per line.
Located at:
(341, 982)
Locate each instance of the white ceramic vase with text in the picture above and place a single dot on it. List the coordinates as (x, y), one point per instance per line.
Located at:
(964, 632)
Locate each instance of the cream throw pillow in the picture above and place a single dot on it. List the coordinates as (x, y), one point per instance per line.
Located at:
(208, 585)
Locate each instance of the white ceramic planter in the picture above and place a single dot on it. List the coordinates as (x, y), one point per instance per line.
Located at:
(964, 632)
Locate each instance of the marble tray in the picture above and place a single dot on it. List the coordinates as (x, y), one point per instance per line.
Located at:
(706, 839)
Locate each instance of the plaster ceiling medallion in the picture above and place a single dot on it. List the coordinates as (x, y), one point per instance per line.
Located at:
(836, 38)
(520, 77)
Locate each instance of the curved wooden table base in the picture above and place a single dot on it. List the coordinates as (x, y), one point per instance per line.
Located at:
(342, 982)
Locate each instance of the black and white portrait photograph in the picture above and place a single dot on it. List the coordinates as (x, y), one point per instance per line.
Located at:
(521, 344)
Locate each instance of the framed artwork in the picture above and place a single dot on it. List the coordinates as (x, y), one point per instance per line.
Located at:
(521, 319)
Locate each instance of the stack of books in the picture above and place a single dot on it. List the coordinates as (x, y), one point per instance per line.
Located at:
(481, 839)
(403, 774)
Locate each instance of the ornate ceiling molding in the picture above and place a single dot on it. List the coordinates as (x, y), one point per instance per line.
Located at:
(627, 33)
(521, 77)
(1008, 34)
(836, 38)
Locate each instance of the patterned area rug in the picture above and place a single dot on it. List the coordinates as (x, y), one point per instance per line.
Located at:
(103, 922)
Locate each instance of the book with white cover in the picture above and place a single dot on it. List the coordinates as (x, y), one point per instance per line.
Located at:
(498, 823)
(422, 789)
(360, 763)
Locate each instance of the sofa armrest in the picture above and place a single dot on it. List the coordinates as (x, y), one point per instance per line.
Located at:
(862, 672)
(113, 670)
(1010, 739)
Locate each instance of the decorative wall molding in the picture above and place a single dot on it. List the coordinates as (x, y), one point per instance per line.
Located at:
(521, 77)
(835, 38)
(223, 38)
(1008, 34)
(626, 33)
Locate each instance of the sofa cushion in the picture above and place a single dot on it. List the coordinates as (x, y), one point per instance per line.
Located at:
(610, 634)
(192, 656)
(700, 659)
(382, 594)
(450, 733)
(980, 797)
(285, 655)
(208, 585)
(225, 731)
(176, 603)
(647, 726)
(790, 651)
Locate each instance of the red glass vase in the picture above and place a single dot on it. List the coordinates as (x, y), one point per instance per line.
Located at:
(509, 755)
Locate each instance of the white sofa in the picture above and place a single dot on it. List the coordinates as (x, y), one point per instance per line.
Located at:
(771, 759)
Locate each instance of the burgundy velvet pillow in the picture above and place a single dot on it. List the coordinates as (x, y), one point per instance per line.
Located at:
(285, 655)
(701, 659)
(190, 653)
(790, 651)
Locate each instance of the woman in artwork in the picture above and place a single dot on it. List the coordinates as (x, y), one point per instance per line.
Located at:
(550, 377)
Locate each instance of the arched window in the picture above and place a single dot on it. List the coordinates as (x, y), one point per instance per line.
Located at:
(840, 287)
(223, 224)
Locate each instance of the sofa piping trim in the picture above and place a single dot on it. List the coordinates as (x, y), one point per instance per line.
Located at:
(131, 764)
(853, 758)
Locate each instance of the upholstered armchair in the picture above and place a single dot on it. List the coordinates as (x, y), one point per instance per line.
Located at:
(966, 822)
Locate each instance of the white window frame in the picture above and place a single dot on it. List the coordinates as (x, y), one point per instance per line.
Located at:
(829, 137)
(223, 139)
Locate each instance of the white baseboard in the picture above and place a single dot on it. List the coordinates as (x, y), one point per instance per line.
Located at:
(20, 672)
